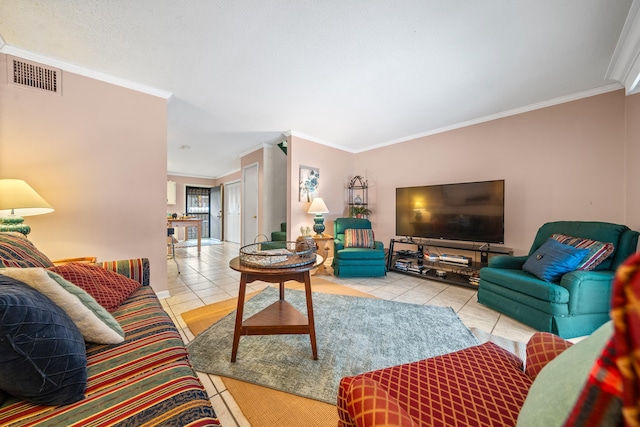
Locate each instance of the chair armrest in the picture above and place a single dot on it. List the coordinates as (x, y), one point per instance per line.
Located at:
(541, 349)
(507, 262)
(363, 403)
(378, 245)
(589, 291)
(83, 259)
(338, 245)
(136, 269)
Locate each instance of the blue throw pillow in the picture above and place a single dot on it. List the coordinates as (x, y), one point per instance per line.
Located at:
(42, 353)
(553, 259)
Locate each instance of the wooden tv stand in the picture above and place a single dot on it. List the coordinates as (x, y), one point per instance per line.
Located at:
(423, 258)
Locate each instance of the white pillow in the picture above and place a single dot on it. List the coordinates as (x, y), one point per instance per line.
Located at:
(95, 323)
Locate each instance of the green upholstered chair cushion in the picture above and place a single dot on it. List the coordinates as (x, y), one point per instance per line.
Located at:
(360, 254)
(558, 385)
(525, 283)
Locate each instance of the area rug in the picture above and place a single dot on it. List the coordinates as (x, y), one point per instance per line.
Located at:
(201, 318)
(354, 335)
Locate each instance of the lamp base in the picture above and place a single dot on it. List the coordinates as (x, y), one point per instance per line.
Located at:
(318, 224)
(14, 223)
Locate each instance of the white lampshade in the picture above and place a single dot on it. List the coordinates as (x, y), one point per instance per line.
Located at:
(18, 198)
(318, 206)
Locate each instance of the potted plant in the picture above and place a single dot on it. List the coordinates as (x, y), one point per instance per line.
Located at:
(359, 211)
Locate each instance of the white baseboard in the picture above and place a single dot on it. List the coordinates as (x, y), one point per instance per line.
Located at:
(163, 294)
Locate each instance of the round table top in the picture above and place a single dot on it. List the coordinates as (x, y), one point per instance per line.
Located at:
(237, 266)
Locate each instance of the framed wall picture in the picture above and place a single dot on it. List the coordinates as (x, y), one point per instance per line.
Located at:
(309, 182)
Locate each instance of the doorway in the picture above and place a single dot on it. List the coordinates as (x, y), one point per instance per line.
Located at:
(198, 205)
(250, 204)
(231, 205)
(216, 213)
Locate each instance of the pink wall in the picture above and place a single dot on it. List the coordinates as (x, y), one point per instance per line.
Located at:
(98, 155)
(565, 162)
(336, 169)
(633, 158)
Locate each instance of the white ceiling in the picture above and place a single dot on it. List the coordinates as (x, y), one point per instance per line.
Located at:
(353, 74)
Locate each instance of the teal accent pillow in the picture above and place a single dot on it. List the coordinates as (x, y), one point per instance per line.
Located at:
(558, 385)
(553, 259)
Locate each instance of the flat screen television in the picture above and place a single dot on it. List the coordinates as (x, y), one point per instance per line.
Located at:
(470, 211)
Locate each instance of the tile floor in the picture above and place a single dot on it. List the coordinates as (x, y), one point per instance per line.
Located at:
(207, 279)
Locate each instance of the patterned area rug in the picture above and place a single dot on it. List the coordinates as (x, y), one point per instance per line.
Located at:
(354, 335)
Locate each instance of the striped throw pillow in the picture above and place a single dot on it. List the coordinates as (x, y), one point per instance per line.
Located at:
(598, 251)
(358, 238)
(18, 251)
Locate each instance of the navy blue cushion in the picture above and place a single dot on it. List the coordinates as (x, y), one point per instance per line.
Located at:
(42, 353)
(553, 259)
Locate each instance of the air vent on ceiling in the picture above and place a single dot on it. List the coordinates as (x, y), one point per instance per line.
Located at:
(34, 76)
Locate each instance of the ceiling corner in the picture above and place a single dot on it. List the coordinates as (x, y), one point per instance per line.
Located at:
(625, 62)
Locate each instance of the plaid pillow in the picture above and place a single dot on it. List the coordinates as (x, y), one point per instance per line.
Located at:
(109, 289)
(358, 238)
(18, 251)
(542, 348)
(598, 251)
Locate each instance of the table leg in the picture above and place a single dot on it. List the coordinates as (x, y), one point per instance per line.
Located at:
(312, 328)
(281, 291)
(199, 237)
(238, 327)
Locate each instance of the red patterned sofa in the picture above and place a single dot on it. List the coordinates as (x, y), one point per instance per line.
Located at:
(592, 383)
(144, 380)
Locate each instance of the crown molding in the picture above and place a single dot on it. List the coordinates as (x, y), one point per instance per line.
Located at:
(531, 107)
(319, 141)
(190, 175)
(625, 61)
(24, 54)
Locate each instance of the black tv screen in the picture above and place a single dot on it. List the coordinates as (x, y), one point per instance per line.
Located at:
(471, 211)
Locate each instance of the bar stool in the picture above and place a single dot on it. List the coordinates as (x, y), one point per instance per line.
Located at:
(171, 242)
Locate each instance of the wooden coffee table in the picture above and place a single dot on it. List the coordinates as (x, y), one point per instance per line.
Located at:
(280, 317)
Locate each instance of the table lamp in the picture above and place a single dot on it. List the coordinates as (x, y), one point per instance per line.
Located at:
(418, 207)
(18, 199)
(318, 207)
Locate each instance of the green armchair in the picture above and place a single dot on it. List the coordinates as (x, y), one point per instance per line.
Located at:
(280, 236)
(578, 303)
(350, 258)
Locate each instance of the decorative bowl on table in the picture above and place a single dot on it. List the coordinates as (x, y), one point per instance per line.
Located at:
(278, 254)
